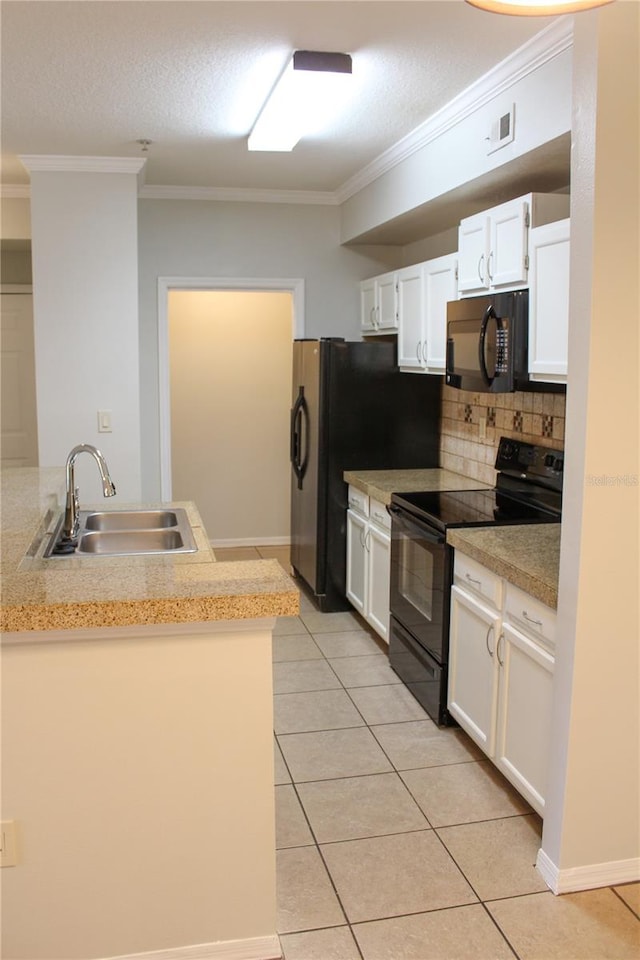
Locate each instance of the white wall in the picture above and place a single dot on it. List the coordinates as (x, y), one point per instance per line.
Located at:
(186, 238)
(592, 828)
(85, 281)
(457, 152)
(230, 363)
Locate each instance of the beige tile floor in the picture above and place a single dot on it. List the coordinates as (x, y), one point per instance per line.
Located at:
(398, 840)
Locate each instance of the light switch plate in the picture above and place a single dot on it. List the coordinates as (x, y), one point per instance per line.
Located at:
(104, 421)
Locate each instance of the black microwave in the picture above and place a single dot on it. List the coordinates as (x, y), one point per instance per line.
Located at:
(487, 342)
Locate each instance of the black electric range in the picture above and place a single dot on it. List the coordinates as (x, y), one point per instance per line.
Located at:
(528, 490)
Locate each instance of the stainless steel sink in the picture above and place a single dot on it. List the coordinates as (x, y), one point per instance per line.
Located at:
(127, 533)
(130, 520)
(114, 543)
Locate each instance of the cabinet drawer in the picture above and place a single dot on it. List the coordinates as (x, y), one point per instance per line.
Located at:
(358, 501)
(477, 579)
(534, 618)
(379, 514)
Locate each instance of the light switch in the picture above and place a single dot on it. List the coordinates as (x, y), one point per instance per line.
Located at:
(8, 855)
(104, 421)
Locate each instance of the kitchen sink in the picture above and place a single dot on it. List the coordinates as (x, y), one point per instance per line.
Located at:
(126, 533)
(123, 520)
(114, 543)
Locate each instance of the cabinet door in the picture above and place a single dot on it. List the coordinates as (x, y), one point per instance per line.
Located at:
(440, 284)
(473, 668)
(473, 249)
(549, 301)
(356, 561)
(387, 310)
(524, 719)
(410, 317)
(378, 580)
(368, 305)
(506, 264)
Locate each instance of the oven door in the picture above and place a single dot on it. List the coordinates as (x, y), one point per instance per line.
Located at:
(420, 582)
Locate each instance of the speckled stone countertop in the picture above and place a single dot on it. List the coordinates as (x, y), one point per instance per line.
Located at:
(77, 592)
(527, 555)
(380, 484)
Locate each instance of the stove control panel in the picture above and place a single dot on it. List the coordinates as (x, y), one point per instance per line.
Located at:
(529, 460)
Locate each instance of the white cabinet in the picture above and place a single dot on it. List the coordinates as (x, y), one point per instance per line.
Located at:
(422, 317)
(369, 559)
(501, 661)
(549, 301)
(493, 245)
(378, 304)
(473, 680)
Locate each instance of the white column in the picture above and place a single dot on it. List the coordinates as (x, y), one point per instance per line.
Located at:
(85, 284)
(592, 827)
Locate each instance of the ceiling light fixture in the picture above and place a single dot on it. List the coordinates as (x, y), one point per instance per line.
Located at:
(536, 8)
(303, 100)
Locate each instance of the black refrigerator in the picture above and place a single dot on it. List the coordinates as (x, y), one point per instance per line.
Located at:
(351, 410)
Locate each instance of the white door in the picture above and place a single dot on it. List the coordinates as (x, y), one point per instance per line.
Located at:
(356, 560)
(19, 423)
(379, 574)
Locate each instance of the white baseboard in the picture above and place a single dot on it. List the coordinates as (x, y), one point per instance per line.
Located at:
(588, 877)
(253, 542)
(255, 948)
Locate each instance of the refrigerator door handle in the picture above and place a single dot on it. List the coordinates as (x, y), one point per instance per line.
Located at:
(300, 411)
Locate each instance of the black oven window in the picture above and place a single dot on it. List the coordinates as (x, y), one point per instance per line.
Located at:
(416, 575)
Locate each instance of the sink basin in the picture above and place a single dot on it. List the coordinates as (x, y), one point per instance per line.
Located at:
(131, 520)
(121, 543)
(128, 533)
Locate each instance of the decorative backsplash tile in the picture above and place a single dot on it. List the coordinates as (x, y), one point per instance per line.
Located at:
(472, 424)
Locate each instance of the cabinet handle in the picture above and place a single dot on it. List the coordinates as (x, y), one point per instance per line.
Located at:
(489, 631)
(501, 662)
(472, 579)
(378, 516)
(377, 317)
(481, 268)
(424, 351)
(537, 623)
(366, 541)
(489, 274)
(372, 316)
(362, 538)
(418, 347)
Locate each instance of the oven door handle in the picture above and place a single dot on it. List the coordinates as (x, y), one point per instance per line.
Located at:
(424, 532)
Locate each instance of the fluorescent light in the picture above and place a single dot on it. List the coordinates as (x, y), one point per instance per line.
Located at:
(303, 100)
(536, 8)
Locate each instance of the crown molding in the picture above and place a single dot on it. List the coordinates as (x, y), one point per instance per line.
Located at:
(238, 194)
(543, 47)
(63, 164)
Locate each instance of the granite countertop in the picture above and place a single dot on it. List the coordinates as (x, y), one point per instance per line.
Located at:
(380, 484)
(77, 592)
(527, 555)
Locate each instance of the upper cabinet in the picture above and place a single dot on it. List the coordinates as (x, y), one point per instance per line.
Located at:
(378, 304)
(493, 245)
(549, 301)
(424, 291)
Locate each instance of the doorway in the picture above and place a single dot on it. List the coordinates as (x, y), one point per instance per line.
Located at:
(226, 397)
(19, 426)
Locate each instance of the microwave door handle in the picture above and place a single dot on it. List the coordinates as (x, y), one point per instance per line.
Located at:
(488, 314)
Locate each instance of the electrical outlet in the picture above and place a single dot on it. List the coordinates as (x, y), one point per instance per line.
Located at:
(8, 855)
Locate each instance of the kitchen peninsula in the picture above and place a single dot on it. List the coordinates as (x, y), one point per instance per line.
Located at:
(137, 744)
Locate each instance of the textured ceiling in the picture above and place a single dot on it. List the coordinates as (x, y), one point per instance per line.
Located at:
(90, 78)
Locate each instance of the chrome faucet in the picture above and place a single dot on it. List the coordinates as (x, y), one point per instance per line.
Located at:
(72, 505)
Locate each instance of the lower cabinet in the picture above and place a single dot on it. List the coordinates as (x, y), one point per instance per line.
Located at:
(369, 560)
(501, 674)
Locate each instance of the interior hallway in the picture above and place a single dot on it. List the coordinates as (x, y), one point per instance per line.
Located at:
(397, 840)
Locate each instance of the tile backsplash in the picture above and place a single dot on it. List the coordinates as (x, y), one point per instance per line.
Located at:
(472, 424)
